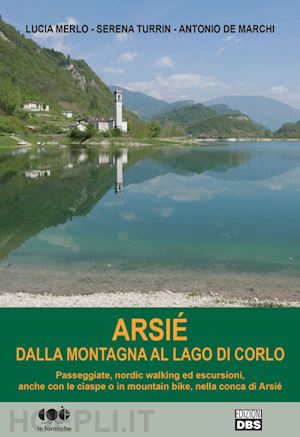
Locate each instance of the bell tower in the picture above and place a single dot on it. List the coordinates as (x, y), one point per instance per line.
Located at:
(118, 110)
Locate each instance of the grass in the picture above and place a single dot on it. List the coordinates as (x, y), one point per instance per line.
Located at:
(7, 141)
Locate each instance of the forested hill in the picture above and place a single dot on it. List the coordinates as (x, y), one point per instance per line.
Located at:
(206, 122)
(289, 130)
(29, 72)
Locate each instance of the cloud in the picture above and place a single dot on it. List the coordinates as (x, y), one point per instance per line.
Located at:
(165, 212)
(279, 89)
(228, 38)
(129, 216)
(179, 86)
(61, 240)
(165, 62)
(177, 188)
(287, 180)
(122, 37)
(128, 57)
(56, 41)
(113, 70)
(231, 38)
(221, 50)
(290, 95)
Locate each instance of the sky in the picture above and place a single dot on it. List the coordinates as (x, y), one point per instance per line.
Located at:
(177, 66)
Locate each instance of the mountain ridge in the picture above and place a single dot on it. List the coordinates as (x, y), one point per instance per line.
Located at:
(145, 106)
(268, 112)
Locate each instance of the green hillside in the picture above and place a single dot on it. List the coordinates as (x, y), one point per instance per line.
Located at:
(29, 72)
(224, 109)
(228, 126)
(186, 115)
(289, 130)
(205, 122)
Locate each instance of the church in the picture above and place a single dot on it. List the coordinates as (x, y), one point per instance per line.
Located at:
(104, 125)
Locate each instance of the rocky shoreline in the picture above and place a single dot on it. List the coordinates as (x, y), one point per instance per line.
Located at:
(164, 298)
(105, 285)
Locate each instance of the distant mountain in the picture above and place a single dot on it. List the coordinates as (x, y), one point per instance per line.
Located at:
(289, 130)
(142, 105)
(176, 105)
(145, 106)
(267, 112)
(205, 122)
(224, 109)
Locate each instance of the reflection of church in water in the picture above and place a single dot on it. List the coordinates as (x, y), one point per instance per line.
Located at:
(118, 160)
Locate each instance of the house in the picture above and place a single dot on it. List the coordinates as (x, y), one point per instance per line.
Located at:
(81, 127)
(104, 125)
(82, 124)
(68, 114)
(34, 106)
(35, 174)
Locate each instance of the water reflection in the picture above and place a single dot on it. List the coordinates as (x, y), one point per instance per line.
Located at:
(118, 159)
(186, 206)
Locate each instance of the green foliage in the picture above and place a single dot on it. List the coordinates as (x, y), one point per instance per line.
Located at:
(172, 130)
(289, 130)
(154, 129)
(50, 128)
(24, 115)
(227, 126)
(30, 72)
(78, 135)
(198, 120)
(10, 124)
(186, 115)
(115, 132)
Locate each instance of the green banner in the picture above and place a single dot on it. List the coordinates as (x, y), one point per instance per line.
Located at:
(110, 355)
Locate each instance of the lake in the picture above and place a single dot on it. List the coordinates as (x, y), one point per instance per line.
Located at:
(223, 217)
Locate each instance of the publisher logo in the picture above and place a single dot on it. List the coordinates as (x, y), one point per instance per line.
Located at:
(248, 420)
(53, 415)
(53, 420)
(80, 420)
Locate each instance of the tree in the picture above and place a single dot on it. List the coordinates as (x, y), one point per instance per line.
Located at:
(154, 129)
(115, 132)
(78, 135)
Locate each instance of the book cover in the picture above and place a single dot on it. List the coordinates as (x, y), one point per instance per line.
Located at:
(149, 217)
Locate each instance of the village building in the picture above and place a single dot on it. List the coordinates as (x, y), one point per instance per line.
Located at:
(34, 106)
(82, 124)
(35, 174)
(104, 125)
(68, 114)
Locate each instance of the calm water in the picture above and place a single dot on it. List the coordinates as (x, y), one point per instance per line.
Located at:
(222, 208)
